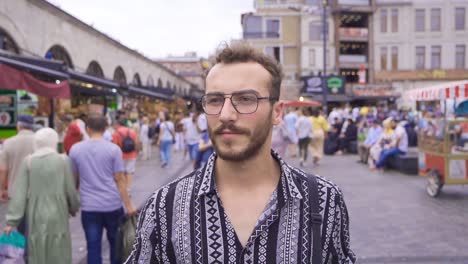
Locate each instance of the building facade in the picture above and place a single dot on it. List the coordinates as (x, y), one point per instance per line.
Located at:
(39, 29)
(380, 47)
(419, 43)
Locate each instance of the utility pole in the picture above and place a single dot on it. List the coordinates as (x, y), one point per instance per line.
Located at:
(324, 75)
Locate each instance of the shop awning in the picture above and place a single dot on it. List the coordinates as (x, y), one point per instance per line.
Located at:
(92, 79)
(449, 90)
(302, 104)
(14, 79)
(33, 67)
(332, 98)
(149, 92)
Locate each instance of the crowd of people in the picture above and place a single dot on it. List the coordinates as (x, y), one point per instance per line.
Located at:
(375, 133)
(94, 175)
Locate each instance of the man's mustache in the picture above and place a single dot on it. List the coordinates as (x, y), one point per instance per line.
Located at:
(231, 128)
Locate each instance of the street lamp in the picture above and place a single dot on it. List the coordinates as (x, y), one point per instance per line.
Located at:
(324, 34)
(324, 75)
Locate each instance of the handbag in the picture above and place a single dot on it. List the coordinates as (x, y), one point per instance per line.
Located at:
(172, 133)
(12, 248)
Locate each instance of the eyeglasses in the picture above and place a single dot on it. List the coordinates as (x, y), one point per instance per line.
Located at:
(244, 103)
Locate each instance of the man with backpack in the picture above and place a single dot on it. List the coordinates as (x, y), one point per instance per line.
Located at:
(127, 140)
(246, 205)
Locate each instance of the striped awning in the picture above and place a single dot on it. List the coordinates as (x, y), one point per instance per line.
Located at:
(451, 90)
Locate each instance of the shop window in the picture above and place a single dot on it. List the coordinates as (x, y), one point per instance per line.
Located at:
(119, 75)
(95, 69)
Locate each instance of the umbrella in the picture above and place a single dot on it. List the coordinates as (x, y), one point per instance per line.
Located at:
(302, 104)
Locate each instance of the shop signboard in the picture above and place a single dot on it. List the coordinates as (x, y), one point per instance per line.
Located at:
(8, 107)
(313, 84)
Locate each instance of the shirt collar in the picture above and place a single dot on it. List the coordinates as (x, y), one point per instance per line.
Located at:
(287, 185)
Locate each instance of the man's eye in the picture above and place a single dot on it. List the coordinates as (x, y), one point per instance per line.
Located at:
(214, 100)
(245, 99)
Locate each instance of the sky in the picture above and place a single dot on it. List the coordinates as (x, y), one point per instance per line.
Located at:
(158, 28)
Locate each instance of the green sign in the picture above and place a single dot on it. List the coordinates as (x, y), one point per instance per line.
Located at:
(335, 85)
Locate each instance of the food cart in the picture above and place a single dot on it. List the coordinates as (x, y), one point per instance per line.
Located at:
(443, 144)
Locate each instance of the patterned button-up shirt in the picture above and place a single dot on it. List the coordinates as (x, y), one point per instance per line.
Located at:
(185, 222)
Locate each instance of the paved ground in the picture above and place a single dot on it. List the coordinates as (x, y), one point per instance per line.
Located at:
(392, 218)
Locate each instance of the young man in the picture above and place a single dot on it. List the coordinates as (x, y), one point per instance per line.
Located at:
(192, 136)
(129, 157)
(246, 205)
(400, 146)
(373, 135)
(98, 167)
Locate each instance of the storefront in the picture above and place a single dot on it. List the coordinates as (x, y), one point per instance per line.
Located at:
(30, 86)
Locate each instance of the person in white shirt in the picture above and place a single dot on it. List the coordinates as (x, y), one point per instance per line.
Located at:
(304, 129)
(145, 140)
(192, 133)
(400, 146)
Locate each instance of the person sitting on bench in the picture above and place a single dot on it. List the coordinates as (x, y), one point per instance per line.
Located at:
(399, 147)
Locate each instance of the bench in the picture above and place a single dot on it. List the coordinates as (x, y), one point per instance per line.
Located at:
(407, 163)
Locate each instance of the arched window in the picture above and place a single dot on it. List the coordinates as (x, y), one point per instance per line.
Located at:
(136, 80)
(160, 83)
(58, 52)
(7, 43)
(95, 69)
(174, 88)
(119, 75)
(150, 81)
(168, 85)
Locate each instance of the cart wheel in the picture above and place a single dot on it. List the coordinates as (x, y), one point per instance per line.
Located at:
(434, 183)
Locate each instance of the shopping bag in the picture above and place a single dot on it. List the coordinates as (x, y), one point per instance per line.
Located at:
(12, 248)
(126, 236)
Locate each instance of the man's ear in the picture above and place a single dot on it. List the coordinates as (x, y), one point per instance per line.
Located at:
(277, 115)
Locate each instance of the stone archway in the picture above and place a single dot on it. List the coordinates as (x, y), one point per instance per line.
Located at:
(119, 75)
(58, 52)
(150, 81)
(8, 43)
(95, 69)
(136, 80)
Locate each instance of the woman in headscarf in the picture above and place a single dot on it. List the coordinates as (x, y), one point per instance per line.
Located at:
(45, 195)
(384, 140)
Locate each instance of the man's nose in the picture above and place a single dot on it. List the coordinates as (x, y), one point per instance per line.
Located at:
(228, 112)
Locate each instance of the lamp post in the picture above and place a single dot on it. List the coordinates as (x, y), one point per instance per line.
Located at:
(324, 75)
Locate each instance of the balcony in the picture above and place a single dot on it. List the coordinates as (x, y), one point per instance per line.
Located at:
(359, 6)
(354, 34)
(353, 59)
(261, 35)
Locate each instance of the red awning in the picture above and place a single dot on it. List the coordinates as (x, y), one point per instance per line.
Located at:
(302, 104)
(13, 79)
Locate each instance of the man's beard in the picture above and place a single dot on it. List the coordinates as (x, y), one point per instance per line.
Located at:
(257, 139)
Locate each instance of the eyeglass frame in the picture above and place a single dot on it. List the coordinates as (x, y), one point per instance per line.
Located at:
(229, 96)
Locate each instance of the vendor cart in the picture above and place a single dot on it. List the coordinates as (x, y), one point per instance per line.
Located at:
(443, 143)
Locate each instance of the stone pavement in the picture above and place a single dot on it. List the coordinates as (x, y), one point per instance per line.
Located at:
(392, 218)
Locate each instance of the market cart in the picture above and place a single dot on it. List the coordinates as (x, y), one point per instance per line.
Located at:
(443, 143)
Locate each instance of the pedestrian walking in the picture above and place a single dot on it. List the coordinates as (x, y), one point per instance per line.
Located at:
(320, 128)
(145, 139)
(45, 195)
(99, 168)
(166, 139)
(304, 129)
(128, 142)
(246, 205)
(290, 119)
(15, 149)
(73, 132)
(192, 136)
(280, 138)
